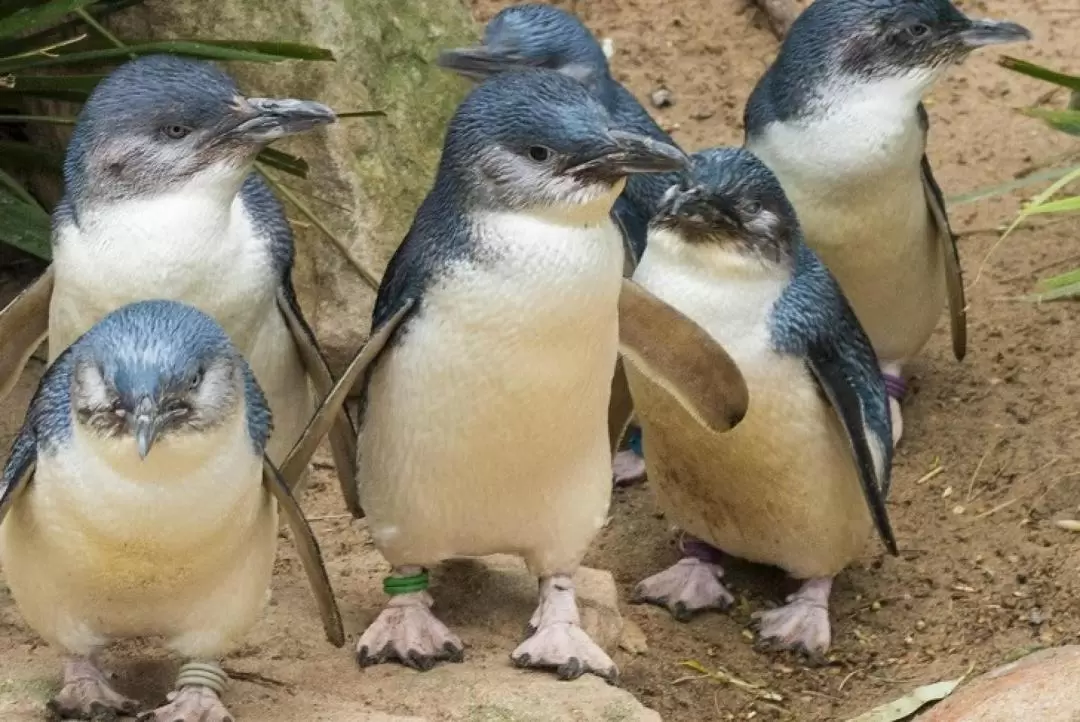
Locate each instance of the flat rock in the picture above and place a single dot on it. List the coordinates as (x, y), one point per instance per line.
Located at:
(1041, 687)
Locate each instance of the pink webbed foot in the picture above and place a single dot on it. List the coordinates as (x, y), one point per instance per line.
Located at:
(407, 631)
(896, 388)
(801, 625)
(558, 642)
(687, 587)
(190, 704)
(628, 468)
(87, 695)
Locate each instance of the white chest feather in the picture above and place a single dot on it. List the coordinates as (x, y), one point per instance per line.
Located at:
(183, 246)
(853, 174)
(105, 545)
(781, 487)
(485, 429)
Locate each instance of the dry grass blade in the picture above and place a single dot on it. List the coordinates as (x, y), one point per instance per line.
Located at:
(720, 674)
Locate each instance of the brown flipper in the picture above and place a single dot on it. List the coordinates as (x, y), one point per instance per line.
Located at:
(307, 547)
(24, 324)
(678, 355)
(620, 408)
(954, 280)
(341, 432)
(334, 401)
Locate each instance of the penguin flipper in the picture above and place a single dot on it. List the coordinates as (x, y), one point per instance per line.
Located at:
(954, 281)
(307, 547)
(18, 471)
(678, 355)
(620, 407)
(24, 324)
(334, 401)
(342, 433)
(836, 386)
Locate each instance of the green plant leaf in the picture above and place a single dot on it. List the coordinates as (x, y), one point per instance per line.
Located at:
(1037, 71)
(206, 51)
(284, 162)
(1062, 280)
(74, 88)
(1067, 121)
(23, 225)
(15, 188)
(1065, 205)
(50, 119)
(289, 51)
(24, 155)
(362, 114)
(29, 19)
(1051, 174)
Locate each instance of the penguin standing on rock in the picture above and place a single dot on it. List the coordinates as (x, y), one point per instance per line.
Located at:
(839, 119)
(484, 416)
(800, 482)
(138, 502)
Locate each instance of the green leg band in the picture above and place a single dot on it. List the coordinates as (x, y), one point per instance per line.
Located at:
(405, 585)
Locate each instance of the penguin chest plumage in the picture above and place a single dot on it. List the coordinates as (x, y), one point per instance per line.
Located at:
(103, 545)
(181, 246)
(781, 487)
(485, 426)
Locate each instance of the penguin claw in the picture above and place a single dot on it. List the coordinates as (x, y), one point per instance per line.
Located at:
(408, 633)
(190, 704)
(686, 588)
(628, 469)
(801, 626)
(567, 649)
(87, 695)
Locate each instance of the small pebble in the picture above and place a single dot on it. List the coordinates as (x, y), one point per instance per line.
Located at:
(1068, 524)
(662, 98)
(608, 46)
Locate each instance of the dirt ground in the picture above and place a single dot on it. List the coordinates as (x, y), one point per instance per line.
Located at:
(990, 458)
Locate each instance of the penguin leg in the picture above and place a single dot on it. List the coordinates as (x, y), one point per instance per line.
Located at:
(558, 642)
(407, 631)
(628, 468)
(896, 387)
(197, 697)
(801, 625)
(691, 585)
(87, 694)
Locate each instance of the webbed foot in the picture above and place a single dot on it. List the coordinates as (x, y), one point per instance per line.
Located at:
(190, 704)
(87, 695)
(896, 388)
(801, 625)
(628, 468)
(408, 632)
(689, 586)
(558, 641)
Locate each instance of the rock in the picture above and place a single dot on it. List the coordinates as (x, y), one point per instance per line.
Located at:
(662, 98)
(459, 585)
(466, 693)
(377, 169)
(1041, 686)
(632, 639)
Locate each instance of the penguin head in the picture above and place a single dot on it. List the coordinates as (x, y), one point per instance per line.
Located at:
(156, 370)
(729, 206)
(537, 36)
(161, 123)
(908, 41)
(536, 140)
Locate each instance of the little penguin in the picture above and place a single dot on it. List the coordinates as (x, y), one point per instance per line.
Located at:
(138, 502)
(800, 482)
(839, 119)
(161, 201)
(484, 421)
(539, 35)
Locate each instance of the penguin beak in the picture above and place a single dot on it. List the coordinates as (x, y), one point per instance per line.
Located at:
(695, 208)
(626, 154)
(480, 62)
(262, 120)
(144, 425)
(980, 33)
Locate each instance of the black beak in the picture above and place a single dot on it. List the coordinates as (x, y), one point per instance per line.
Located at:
(480, 62)
(694, 207)
(267, 119)
(990, 32)
(628, 153)
(143, 422)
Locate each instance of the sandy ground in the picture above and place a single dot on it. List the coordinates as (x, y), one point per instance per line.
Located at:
(984, 575)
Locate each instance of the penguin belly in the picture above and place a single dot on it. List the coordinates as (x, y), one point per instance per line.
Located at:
(103, 546)
(485, 429)
(780, 488)
(173, 247)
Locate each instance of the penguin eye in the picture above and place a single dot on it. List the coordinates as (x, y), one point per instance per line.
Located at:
(752, 208)
(918, 30)
(176, 131)
(117, 408)
(195, 379)
(539, 153)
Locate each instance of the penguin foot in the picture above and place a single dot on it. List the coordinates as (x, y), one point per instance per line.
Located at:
(407, 632)
(802, 625)
(689, 586)
(190, 704)
(87, 695)
(557, 640)
(628, 468)
(897, 421)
